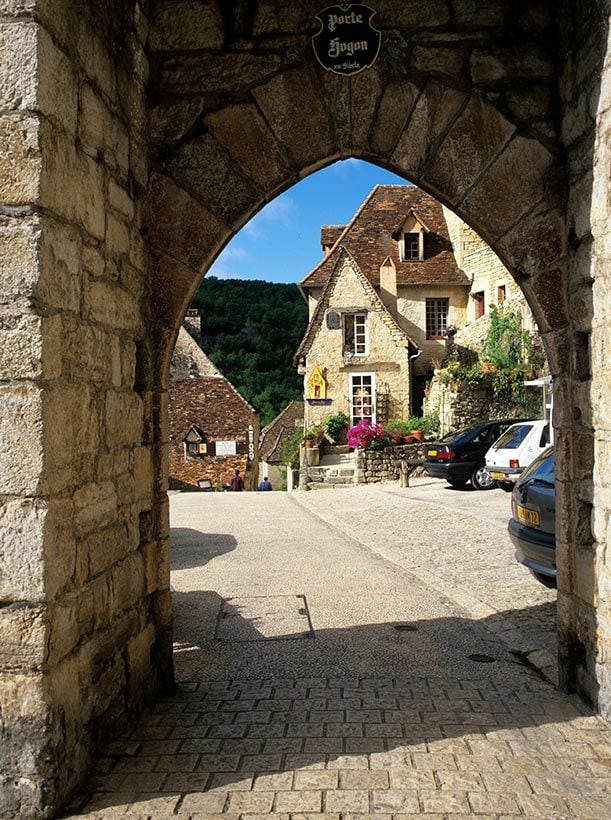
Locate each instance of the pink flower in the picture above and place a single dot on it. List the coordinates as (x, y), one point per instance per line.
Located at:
(363, 433)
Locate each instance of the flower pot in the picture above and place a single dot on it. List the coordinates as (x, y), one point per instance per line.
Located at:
(308, 442)
(418, 435)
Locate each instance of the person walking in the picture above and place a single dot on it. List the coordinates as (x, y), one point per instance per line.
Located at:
(236, 485)
(265, 486)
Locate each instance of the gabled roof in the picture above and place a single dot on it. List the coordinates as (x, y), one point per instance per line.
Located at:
(372, 233)
(340, 254)
(279, 431)
(189, 361)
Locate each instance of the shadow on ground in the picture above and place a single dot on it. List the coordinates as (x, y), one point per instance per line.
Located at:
(194, 548)
(263, 734)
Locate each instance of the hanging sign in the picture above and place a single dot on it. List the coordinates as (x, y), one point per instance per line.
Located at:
(347, 42)
(317, 384)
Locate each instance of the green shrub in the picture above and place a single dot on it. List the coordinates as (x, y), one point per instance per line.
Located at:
(335, 426)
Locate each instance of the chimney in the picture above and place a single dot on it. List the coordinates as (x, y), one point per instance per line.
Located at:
(388, 286)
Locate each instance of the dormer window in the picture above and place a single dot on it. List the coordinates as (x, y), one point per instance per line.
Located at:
(411, 238)
(413, 247)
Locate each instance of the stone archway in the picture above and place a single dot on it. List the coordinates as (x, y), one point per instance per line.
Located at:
(136, 147)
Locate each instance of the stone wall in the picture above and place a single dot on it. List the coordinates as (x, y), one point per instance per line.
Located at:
(458, 406)
(377, 466)
(84, 618)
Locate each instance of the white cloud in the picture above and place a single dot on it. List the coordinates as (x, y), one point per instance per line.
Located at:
(224, 266)
(279, 211)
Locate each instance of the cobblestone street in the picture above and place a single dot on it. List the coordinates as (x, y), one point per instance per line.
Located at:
(336, 656)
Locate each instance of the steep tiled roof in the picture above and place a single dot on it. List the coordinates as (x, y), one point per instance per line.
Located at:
(399, 335)
(212, 404)
(329, 234)
(280, 430)
(372, 235)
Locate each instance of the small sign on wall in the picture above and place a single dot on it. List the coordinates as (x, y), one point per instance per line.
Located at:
(226, 448)
(347, 42)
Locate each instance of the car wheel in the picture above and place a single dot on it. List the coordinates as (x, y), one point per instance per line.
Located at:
(547, 580)
(456, 483)
(505, 485)
(481, 479)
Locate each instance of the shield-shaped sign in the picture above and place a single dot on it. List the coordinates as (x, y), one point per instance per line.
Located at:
(347, 42)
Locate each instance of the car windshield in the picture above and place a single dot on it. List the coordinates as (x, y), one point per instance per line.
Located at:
(467, 435)
(512, 438)
(542, 468)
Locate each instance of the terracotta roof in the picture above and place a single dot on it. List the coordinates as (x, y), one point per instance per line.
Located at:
(280, 430)
(399, 335)
(212, 404)
(372, 235)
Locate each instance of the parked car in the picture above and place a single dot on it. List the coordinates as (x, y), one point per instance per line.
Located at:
(461, 457)
(515, 450)
(532, 526)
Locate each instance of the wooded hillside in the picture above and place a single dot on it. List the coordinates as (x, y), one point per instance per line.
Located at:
(251, 330)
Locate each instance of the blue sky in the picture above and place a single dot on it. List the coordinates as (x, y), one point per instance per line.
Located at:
(282, 242)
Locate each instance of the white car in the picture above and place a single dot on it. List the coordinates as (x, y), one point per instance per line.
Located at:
(515, 449)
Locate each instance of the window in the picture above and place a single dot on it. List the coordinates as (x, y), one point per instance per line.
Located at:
(436, 318)
(355, 334)
(412, 247)
(480, 303)
(501, 294)
(362, 391)
(193, 448)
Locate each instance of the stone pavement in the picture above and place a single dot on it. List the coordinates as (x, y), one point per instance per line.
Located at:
(412, 722)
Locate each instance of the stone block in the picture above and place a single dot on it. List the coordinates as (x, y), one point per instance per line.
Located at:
(439, 61)
(477, 136)
(434, 112)
(169, 121)
(22, 524)
(204, 167)
(186, 25)
(123, 419)
(173, 284)
(182, 226)
(64, 625)
(97, 58)
(24, 708)
(514, 185)
(196, 75)
(95, 507)
(57, 85)
(117, 239)
(139, 658)
(20, 160)
(21, 423)
(71, 436)
(518, 63)
(22, 347)
(244, 133)
(60, 274)
(101, 132)
(105, 548)
(128, 585)
(536, 243)
(283, 101)
(546, 296)
(366, 90)
(23, 627)
(120, 199)
(113, 306)
(393, 112)
(101, 675)
(18, 77)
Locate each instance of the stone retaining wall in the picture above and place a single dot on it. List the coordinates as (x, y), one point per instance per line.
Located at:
(375, 466)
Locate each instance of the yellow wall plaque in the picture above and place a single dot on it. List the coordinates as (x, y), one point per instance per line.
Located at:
(317, 385)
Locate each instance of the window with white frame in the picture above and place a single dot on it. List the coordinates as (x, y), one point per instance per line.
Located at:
(436, 318)
(355, 334)
(412, 246)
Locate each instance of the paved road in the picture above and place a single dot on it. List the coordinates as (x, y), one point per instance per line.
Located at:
(299, 697)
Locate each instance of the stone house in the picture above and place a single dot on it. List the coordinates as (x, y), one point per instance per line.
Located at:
(391, 283)
(274, 438)
(213, 430)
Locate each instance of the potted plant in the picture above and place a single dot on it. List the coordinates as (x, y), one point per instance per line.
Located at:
(397, 430)
(335, 427)
(309, 436)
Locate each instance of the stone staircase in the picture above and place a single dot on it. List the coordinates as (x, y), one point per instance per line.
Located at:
(337, 468)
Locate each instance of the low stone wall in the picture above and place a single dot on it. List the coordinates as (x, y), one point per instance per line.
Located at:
(459, 405)
(375, 466)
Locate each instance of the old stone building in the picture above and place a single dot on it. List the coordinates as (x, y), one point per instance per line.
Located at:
(135, 140)
(391, 283)
(213, 430)
(275, 438)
